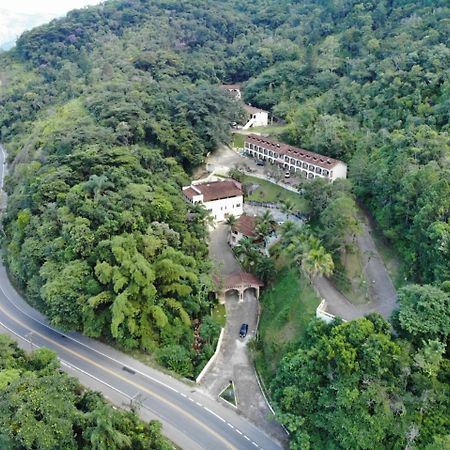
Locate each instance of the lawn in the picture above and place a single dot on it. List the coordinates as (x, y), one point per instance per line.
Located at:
(270, 192)
(287, 307)
(273, 131)
(238, 140)
(219, 314)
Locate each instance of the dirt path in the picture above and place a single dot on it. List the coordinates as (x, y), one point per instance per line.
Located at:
(381, 290)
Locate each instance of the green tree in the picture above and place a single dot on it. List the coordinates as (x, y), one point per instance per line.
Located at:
(423, 313)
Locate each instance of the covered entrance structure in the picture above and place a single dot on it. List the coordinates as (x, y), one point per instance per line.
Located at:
(241, 282)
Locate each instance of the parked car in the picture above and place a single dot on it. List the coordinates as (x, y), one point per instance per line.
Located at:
(260, 162)
(244, 330)
(287, 175)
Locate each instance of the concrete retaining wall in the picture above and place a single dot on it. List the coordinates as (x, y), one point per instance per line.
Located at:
(321, 312)
(212, 359)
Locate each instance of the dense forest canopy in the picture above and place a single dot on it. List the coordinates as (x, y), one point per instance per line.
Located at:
(43, 408)
(106, 111)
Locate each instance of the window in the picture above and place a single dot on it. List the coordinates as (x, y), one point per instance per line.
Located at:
(275, 155)
(286, 158)
(270, 153)
(238, 205)
(299, 163)
(318, 170)
(305, 166)
(310, 175)
(251, 146)
(265, 151)
(325, 172)
(311, 168)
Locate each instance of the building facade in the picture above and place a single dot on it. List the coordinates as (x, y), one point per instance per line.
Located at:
(245, 226)
(309, 164)
(220, 198)
(255, 117)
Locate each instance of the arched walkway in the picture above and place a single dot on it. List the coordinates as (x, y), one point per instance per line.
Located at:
(240, 282)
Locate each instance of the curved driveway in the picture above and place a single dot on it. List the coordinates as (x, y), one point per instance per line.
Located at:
(190, 418)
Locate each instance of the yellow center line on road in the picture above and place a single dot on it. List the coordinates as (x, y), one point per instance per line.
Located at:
(120, 377)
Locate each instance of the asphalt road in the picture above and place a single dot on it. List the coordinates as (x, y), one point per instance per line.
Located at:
(190, 418)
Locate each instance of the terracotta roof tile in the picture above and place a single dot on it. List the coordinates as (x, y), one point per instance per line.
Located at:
(241, 278)
(252, 109)
(214, 190)
(293, 152)
(246, 225)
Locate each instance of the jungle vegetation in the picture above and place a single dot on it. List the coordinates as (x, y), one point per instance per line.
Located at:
(41, 407)
(106, 111)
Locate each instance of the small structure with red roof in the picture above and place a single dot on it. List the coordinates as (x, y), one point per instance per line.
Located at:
(245, 226)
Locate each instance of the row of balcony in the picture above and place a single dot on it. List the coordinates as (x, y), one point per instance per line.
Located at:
(289, 161)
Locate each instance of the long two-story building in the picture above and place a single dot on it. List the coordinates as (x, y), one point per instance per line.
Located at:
(309, 164)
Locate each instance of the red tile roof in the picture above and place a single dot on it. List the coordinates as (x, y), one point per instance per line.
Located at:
(214, 190)
(245, 225)
(293, 152)
(231, 86)
(237, 279)
(252, 109)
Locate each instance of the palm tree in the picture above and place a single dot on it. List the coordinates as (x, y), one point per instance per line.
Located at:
(247, 252)
(267, 217)
(317, 261)
(231, 220)
(264, 268)
(263, 229)
(288, 207)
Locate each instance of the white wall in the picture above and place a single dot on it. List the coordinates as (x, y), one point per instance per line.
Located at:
(339, 171)
(234, 238)
(257, 119)
(220, 209)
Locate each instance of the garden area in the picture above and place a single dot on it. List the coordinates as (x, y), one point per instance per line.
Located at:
(270, 192)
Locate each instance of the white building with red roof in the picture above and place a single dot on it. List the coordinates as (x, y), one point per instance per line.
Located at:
(309, 164)
(220, 198)
(245, 226)
(255, 117)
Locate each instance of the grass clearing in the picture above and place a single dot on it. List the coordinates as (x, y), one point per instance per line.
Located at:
(219, 314)
(273, 130)
(270, 192)
(229, 395)
(287, 307)
(238, 140)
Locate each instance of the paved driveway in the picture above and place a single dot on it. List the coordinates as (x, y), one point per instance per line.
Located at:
(382, 291)
(220, 252)
(234, 363)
